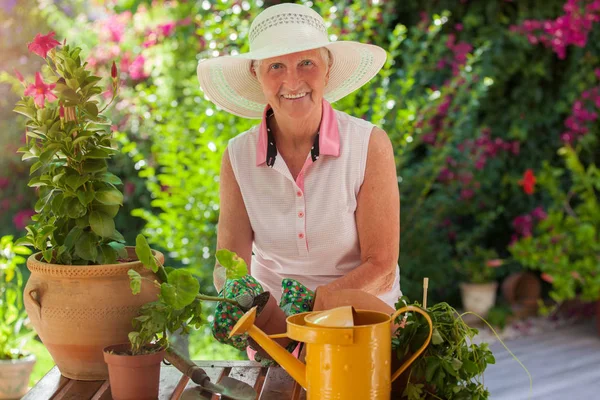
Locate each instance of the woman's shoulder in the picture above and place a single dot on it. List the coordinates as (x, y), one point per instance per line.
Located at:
(245, 138)
(350, 125)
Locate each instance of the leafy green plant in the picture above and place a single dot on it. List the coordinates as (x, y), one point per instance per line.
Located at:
(179, 304)
(565, 246)
(452, 366)
(14, 332)
(477, 265)
(69, 140)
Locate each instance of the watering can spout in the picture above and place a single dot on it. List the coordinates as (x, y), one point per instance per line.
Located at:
(288, 362)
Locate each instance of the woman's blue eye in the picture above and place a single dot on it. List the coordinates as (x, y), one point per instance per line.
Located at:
(275, 66)
(306, 62)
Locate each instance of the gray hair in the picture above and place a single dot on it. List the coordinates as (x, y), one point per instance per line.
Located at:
(323, 51)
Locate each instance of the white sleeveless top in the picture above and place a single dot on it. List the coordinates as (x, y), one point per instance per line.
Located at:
(305, 229)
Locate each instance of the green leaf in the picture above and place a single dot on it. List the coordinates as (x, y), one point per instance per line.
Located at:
(96, 153)
(436, 338)
(109, 197)
(72, 237)
(69, 95)
(111, 211)
(433, 364)
(94, 165)
(75, 208)
(144, 253)
(35, 166)
(120, 249)
(91, 109)
(26, 111)
(102, 225)
(47, 254)
(110, 178)
(234, 265)
(86, 197)
(86, 246)
(181, 290)
(107, 255)
(116, 236)
(75, 181)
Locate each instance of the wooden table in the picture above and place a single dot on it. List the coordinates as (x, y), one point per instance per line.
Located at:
(270, 383)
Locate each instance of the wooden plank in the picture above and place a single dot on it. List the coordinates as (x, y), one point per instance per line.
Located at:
(47, 386)
(278, 385)
(78, 390)
(104, 392)
(253, 376)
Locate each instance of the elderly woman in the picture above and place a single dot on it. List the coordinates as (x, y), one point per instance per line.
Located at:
(310, 194)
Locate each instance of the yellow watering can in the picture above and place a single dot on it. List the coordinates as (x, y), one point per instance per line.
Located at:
(348, 352)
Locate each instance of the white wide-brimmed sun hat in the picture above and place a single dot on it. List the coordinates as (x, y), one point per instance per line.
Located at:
(284, 29)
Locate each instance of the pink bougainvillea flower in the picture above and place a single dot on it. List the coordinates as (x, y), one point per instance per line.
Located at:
(40, 91)
(136, 69)
(42, 44)
(21, 218)
(546, 277)
(528, 182)
(166, 29)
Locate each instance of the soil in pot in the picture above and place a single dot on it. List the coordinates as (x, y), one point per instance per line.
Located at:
(133, 377)
(14, 377)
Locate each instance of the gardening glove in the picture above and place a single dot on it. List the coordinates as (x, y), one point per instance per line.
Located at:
(226, 315)
(295, 298)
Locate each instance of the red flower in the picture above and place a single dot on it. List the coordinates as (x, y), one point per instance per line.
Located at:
(113, 70)
(494, 263)
(42, 44)
(528, 182)
(41, 91)
(546, 277)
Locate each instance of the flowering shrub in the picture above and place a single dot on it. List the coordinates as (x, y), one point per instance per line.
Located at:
(565, 245)
(68, 140)
(477, 265)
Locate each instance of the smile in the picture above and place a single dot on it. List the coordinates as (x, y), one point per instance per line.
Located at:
(294, 96)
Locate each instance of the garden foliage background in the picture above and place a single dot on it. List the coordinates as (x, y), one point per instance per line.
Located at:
(483, 102)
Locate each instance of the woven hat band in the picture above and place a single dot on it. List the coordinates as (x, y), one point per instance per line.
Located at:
(287, 31)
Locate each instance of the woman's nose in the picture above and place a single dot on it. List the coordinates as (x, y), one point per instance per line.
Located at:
(292, 79)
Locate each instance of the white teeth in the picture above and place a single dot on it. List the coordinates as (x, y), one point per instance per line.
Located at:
(294, 96)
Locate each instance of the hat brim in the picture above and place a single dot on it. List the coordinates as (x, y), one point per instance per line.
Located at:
(229, 83)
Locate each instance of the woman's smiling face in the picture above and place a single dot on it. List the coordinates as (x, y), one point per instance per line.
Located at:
(294, 84)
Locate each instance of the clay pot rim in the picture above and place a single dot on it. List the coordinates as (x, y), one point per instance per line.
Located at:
(28, 359)
(34, 264)
(142, 359)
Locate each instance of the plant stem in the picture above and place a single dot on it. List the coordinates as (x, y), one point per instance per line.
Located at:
(216, 298)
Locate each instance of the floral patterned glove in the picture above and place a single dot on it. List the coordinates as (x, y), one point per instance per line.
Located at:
(295, 298)
(226, 315)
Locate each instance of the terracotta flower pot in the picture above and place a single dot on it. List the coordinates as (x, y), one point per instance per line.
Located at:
(133, 377)
(79, 310)
(478, 297)
(522, 290)
(14, 377)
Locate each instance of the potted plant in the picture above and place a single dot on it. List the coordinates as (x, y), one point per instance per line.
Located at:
(452, 366)
(134, 367)
(565, 244)
(478, 291)
(79, 275)
(15, 364)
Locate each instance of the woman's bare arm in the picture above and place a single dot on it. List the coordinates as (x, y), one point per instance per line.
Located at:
(377, 220)
(234, 231)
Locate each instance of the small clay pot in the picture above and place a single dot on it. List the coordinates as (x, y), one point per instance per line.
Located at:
(522, 290)
(14, 376)
(133, 377)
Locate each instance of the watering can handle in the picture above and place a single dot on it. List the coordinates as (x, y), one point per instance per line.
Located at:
(412, 358)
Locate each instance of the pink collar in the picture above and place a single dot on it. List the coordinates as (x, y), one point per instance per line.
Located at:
(329, 136)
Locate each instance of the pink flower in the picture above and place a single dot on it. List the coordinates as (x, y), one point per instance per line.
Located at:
(458, 27)
(597, 73)
(42, 44)
(546, 277)
(539, 214)
(466, 194)
(4, 182)
(21, 218)
(41, 91)
(136, 69)
(166, 29)
(495, 263)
